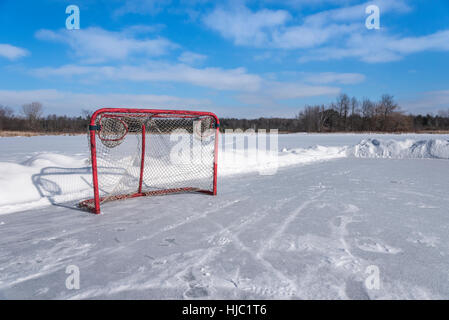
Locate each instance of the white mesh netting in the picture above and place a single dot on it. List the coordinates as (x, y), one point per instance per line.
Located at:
(178, 154)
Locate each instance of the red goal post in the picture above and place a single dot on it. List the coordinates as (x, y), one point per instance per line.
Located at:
(131, 149)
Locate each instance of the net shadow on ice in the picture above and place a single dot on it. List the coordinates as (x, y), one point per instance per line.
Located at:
(65, 187)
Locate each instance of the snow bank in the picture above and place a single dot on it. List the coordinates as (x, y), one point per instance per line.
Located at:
(41, 179)
(374, 148)
(268, 162)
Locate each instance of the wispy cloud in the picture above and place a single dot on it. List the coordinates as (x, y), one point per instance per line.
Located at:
(309, 36)
(244, 26)
(356, 13)
(250, 88)
(273, 92)
(191, 58)
(333, 77)
(380, 47)
(12, 52)
(272, 28)
(213, 78)
(427, 102)
(299, 4)
(95, 45)
(143, 7)
(292, 90)
(331, 34)
(66, 101)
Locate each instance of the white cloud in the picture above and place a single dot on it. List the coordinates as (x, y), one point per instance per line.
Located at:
(274, 91)
(96, 45)
(251, 88)
(12, 52)
(269, 28)
(438, 41)
(71, 103)
(427, 102)
(140, 29)
(69, 70)
(368, 46)
(263, 56)
(143, 7)
(356, 13)
(332, 77)
(299, 37)
(285, 90)
(65, 101)
(214, 78)
(188, 57)
(245, 27)
(310, 3)
(330, 34)
(380, 47)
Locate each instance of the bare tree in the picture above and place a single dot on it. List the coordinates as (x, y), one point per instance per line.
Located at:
(343, 108)
(443, 113)
(86, 114)
(313, 118)
(322, 117)
(387, 107)
(308, 118)
(5, 114)
(368, 114)
(354, 110)
(32, 112)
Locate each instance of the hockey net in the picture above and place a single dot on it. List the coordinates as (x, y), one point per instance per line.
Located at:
(151, 152)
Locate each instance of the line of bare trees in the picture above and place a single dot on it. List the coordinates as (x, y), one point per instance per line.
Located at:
(348, 114)
(345, 114)
(31, 118)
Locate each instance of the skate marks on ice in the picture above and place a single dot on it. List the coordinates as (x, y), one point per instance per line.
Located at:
(372, 245)
(26, 275)
(221, 265)
(309, 240)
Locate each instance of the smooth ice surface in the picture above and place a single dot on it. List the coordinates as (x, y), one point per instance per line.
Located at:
(335, 206)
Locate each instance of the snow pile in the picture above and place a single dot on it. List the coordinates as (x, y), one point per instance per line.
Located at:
(374, 148)
(42, 179)
(52, 159)
(267, 162)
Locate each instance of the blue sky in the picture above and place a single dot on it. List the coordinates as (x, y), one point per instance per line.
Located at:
(236, 58)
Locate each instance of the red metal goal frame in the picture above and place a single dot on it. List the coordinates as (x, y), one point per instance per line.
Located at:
(165, 113)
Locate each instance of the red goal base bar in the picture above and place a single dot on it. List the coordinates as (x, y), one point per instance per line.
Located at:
(89, 204)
